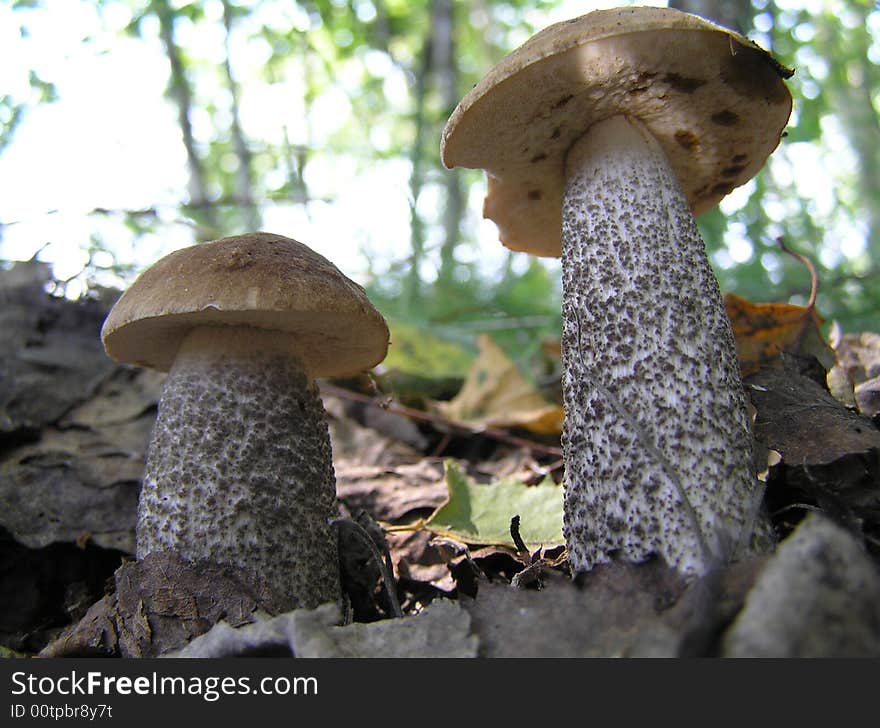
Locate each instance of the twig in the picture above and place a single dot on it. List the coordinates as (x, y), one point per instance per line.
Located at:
(517, 538)
(415, 414)
(808, 264)
(535, 564)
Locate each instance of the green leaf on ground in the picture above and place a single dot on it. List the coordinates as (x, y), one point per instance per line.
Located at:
(480, 513)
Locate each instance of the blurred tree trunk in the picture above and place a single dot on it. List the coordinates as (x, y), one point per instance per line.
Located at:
(446, 70)
(734, 14)
(438, 72)
(180, 91)
(417, 175)
(244, 189)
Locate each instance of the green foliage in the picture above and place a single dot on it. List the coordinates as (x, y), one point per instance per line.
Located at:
(836, 223)
(480, 513)
(394, 70)
(416, 351)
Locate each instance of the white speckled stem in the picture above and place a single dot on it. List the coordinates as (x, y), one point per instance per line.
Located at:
(656, 438)
(239, 468)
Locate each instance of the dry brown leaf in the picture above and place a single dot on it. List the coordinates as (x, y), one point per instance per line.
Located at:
(496, 394)
(855, 379)
(391, 493)
(764, 330)
(419, 556)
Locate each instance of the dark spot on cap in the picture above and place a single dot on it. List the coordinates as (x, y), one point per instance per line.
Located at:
(732, 171)
(725, 118)
(739, 158)
(538, 158)
(684, 84)
(534, 194)
(556, 132)
(722, 188)
(752, 73)
(563, 101)
(686, 139)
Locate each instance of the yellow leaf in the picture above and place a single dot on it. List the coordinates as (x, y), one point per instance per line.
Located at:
(496, 394)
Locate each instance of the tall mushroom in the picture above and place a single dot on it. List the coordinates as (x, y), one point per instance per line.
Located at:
(239, 466)
(601, 137)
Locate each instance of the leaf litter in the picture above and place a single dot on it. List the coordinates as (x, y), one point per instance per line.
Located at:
(444, 488)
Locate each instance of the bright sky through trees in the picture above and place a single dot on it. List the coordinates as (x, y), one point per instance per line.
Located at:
(109, 141)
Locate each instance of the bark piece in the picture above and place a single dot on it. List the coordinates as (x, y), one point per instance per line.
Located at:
(159, 605)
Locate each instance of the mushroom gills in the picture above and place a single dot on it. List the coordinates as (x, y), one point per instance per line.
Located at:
(656, 437)
(239, 469)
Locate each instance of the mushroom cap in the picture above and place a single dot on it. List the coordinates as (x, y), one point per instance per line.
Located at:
(715, 101)
(259, 280)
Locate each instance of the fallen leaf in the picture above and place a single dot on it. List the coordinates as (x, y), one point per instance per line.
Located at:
(70, 481)
(801, 421)
(830, 455)
(859, 354)
(867, 396)
(496, 394)
(855, 379)
(390, 494)
(764, 330)
(419, 556)
(479, 513)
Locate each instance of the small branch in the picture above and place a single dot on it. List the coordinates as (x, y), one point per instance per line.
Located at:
(517, 538)
(535, 564)
(437, 420)
(808, 264)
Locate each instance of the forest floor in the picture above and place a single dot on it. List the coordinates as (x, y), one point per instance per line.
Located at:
(74, 428)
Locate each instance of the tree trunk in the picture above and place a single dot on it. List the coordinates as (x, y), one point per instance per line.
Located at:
(180, 91)
(446, 75)
(416, 180)
(244, 190)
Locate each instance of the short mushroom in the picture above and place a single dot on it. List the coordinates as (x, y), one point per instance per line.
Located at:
(601, 137)
(239, 467)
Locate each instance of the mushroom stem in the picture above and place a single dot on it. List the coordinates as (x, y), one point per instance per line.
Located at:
(239, 469)
(656, 437)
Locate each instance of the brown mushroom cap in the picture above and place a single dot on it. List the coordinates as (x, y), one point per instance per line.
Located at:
(714, 100)
(261, 280)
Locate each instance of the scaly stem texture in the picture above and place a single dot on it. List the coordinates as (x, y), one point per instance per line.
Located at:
(239, 469)
(656, 438)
